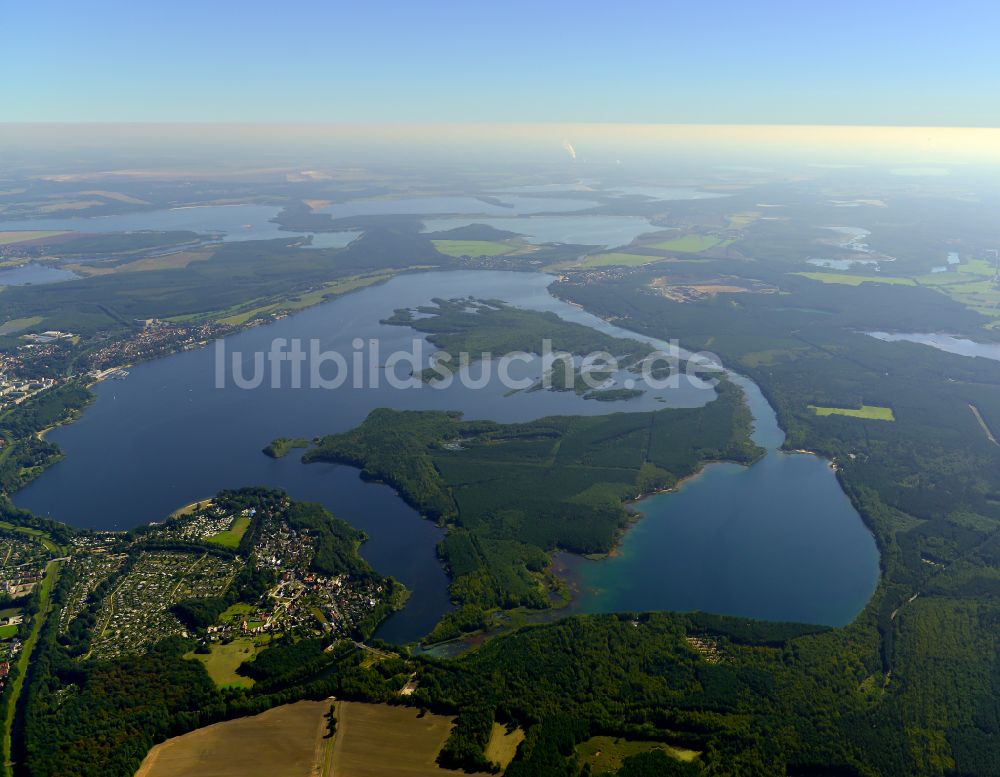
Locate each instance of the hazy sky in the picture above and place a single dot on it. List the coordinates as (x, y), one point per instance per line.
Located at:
(665, 61)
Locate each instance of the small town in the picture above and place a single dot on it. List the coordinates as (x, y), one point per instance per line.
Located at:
(131, 588)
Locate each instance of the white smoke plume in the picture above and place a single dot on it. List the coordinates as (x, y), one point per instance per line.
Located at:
(569, 149)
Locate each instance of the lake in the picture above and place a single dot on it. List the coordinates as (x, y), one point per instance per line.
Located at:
(776, 541)
(165, 437)
(34, 273)
(947, 343)
(234, 222)
(512, 205)
(668, 193)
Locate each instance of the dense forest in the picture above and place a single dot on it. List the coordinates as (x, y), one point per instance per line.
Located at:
(926, 483)
(25, 452)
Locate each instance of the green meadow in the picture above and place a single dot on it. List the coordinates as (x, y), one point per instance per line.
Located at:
(232, 536)
(691, 244)
(618, 258)
(472, 248)
(856, 280)
(22, 236)
(870, 412)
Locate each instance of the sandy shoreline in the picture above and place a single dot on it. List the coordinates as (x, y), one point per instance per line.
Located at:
(190, 507)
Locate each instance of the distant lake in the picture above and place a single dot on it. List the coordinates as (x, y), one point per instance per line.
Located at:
(34, 273)
(948, 343)
(609, 231)
(841, 264)
(512, 205)
(254, 222)
(667, 193)
(235, 222)
(166, 436)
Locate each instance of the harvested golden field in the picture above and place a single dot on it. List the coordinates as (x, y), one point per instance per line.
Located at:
(372, 740)
(375, 740)
(284, 742)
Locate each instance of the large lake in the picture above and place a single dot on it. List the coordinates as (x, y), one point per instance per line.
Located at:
(942, 342)
(34, 273)
(233, 222)
(166, 436)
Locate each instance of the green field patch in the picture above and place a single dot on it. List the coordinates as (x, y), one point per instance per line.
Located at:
(236, 613)
(23, 236)
(224, 659)
(977, 267)
(619, 258)
(232, 536)
(691, 244)
(301, 301)
(870, 412)
(606, 754)
(856, 280)
(472, 248)
(18, 324)
(503, 745)
(8, 632)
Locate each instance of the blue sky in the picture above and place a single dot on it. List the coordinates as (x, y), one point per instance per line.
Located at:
(882, 63)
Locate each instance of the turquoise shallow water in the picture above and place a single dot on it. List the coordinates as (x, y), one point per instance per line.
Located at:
(778, 540)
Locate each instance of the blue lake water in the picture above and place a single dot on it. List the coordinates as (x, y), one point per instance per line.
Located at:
(34, 273)
(166, 436)
(948, 343)
(776, 541)
(235, 222)
(513, 205)
(668, 193)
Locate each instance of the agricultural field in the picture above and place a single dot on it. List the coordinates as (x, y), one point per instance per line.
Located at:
(606, 754)
(691, 244)
(22, 236)
(172, 261)
(285, 741)
(618, 258)
(371, 740)
(301, 301)
(17, 324)
(973, 284)
(472, 248)
(406, 744)
(856, 280)
(869, 412)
